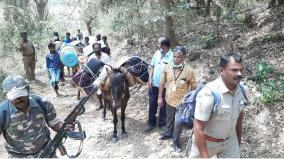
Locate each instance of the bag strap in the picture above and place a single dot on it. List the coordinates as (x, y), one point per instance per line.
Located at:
(242, 86)
(217, 99)
(5, 118)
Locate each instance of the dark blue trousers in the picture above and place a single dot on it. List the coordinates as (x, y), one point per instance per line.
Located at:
(153, 107)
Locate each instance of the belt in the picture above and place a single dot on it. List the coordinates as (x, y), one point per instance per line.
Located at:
(213, 139)
(28, 55)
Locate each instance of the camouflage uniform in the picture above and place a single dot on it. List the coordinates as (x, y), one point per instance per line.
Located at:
(27, 134)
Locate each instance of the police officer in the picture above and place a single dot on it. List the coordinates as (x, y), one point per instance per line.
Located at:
(29, 56)
(25, 118)
(219, 133)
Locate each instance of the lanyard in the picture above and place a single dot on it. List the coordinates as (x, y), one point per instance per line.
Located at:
(176, 78)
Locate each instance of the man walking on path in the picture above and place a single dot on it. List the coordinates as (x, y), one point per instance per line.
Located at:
(219, 132)
(162, 56)
(180, 79)
(98, 54)
(29, 57)
(25, 119)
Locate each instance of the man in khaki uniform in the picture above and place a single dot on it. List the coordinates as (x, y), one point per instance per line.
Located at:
(29, 60)
(219, 133)
(180, 79)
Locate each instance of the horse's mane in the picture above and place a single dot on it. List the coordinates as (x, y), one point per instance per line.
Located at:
(117, 80)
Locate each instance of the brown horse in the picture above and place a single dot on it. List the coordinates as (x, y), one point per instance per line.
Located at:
(116, 96)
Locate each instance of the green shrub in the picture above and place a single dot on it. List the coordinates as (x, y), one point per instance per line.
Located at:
(271, 89)
(208, 41)
(268, 91)
(262, 71)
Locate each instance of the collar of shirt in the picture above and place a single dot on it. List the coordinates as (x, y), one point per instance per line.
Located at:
(165, 55)
(56, 54)
(178, 67)
(224, 89)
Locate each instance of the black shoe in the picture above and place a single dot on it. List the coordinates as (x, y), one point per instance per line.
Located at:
(177, 147)
(162, 127)
(165, 137)
(99, 107)
(149, 128)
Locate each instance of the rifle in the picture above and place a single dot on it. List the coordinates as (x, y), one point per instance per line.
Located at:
(56, 142)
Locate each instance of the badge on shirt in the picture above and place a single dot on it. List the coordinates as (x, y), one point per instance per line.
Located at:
(174, 88)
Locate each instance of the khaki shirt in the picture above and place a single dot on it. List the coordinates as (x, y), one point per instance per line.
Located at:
(176, 89)
(221, 123)
(27, 48)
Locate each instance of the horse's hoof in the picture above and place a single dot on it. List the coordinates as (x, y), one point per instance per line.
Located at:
(114, 139)
(124, 135)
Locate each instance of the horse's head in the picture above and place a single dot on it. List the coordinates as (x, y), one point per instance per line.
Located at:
(119, 86)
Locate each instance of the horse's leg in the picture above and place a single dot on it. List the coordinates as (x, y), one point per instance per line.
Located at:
(114, 134)
(78, 94)
(106, 103)
(101, 101)
(123, 108)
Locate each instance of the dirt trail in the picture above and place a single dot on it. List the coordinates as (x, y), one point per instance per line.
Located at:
(263, 130)
(98, 142)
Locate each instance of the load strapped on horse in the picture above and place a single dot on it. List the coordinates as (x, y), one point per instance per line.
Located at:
(88, 73)
(114, 84)
(69, 55)
(138, 68)
(135, 68)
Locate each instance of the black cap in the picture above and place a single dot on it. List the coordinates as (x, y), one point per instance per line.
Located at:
(180, 49)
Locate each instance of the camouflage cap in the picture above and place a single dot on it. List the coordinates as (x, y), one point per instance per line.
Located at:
(15, 86)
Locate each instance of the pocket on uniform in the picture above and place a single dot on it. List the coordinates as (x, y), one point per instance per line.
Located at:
(223, 114)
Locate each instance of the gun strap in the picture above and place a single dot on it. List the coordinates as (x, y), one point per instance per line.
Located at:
(81, 143)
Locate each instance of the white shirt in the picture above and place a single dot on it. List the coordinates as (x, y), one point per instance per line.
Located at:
(102, 43)
(104, 58)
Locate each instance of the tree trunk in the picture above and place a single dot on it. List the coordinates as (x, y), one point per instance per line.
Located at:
(199, 6)
(272, 4)
(208, 7)
(88, 25)
(25, 6)
(41, 9)
(168, 29)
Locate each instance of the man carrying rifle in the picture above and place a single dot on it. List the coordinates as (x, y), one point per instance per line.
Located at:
(25, 118)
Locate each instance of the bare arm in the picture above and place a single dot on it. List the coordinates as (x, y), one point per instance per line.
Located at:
(200, 137)
(20, 47)
(33, 47)
(239, 127)
(150, 71)
(192, 82)
(57, 126)
(160, 98)
(161, 88)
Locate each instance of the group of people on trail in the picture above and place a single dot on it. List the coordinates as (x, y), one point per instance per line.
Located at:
(55, 67)
(215, 132)
(25, 117)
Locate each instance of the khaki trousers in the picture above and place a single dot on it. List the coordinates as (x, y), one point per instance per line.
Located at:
(29, 66)
(227, 149)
